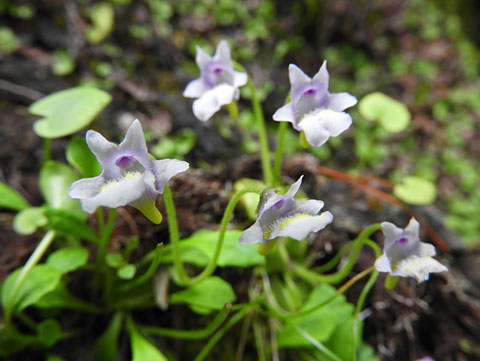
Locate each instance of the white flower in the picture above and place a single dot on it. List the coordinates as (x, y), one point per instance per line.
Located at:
(404, 255)
(218, 83)
(129, 175)
(283, 216)
(313, 109)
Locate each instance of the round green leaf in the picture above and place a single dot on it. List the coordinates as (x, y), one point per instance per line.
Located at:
(391, 114)
(28, 220)
(102, 17)
(11, 199)
(142, 349)
(68, 111)
(68, 259)
(210, 294)
(79, 155)
(126, 272)
(415, 190)
(55, 180)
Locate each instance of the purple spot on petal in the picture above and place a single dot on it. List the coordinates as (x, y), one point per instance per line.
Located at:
(124, 161)
(279, 204)
(217, 71)
(402, 241)
(310, 92)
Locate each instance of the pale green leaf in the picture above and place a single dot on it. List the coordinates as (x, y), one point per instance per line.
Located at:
(415, 190)
(40, 280)
(28, 220)
(68, 259)
(391, 114)
(210, 294)
(80, 156)
(55, 180)
(11, 199)
(68, 111)
(142, 349)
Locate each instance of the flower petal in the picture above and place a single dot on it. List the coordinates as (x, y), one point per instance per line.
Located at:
(297, 77)
(311, 206)
(391, 232)
(315, 133)
(239, 79)
(382, 264)
(194, 89)
(211, 101)
(412, 230)
(335, 122)
(253, 234)
(134, 141)
(86, 187)
(166, 169)
(116, 193)
(202, 58)
(301, 225)
(285, 113)
(322, 74)
(418, 267)
(426, 250)
(103, 150)
(223, 52)
(341, 101)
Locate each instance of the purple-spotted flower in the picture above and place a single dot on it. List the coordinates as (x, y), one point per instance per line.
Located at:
(218, 83)
(283, 216)
(404, 255)
(129, 175)
(313, 109)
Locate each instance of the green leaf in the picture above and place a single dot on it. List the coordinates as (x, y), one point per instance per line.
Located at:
(321, 323)
(114, 260)
(11, 199)
(199, 248)
(55, 180)
(40, 280)
(391, 114)
(8, 40)
(12, 341)
(126, 272)
(63, 63)
(80, 156)
(102, 17)
(61, 297)
(68, 259)
(68, 111)
(249, 201)
(210, 294)
(67, 223)
(415, 190)
(28, 220)
(142, 349)
(175, 146)
(106, 348)
(49, 332)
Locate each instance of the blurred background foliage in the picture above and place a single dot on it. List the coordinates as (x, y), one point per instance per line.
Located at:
(423, 53)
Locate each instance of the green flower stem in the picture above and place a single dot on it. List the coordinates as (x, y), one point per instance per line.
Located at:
(147, 275)
(277, 165)
(259, 343)
(337, 277)
(221, 235)
(335, 260)
(106, 232)
(339, 292)
(188, 334)
(221, 332)
(31, 262)
(356, 332)
(262, 132)
(174, 235)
